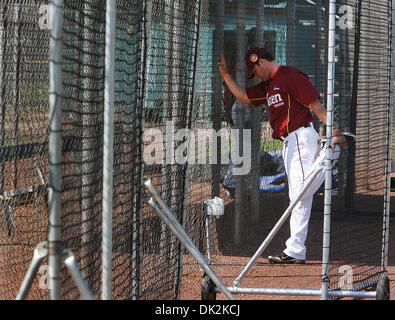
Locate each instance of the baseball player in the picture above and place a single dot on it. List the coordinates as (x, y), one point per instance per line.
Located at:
(291, 99)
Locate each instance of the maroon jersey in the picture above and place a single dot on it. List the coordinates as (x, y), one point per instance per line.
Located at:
(287, 95)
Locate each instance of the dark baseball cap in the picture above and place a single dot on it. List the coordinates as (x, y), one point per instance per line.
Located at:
(252, 57)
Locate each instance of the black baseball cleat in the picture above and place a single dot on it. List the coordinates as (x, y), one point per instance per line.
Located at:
(284, 259)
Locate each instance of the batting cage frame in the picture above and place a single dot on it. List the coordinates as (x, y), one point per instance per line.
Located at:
(116, 130)
(211, 284)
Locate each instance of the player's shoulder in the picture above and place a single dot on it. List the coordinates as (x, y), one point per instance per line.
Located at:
(292, 75)
(288, 71)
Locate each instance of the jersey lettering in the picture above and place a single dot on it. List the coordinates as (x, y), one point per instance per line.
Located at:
(287, 94)
(275, 100)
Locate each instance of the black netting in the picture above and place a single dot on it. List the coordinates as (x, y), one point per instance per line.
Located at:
(24, 124)
(84, 40)
(169, 100)
(363, 108)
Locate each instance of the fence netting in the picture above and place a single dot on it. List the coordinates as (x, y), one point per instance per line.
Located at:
(363, 108)
(170, 107)
(24, 128)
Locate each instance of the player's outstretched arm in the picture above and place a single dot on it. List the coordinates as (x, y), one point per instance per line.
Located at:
(320, 112)
(239, 92)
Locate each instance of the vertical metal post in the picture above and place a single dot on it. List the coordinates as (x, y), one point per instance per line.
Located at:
(137, 250)
(16, 43)
(329, 151)
(90, 122)
(291, 32)
(108, 142)
(170, 96)
(255, 123)
(171, 221)
(180, 121)
(240, 194)
(217, 88)
(190, 108)
(319, 40)
(344, 89)
(55, 150)
(260, 22)
(350, 179)
(137, 232)
(2, 90)
(388, 162)
(167, 118)
(173, 116)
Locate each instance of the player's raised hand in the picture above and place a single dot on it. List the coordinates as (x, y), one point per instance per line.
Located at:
(223, 69)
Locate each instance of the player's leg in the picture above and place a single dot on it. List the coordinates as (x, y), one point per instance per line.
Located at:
(300, 152)
(317, 182)
(299, 224)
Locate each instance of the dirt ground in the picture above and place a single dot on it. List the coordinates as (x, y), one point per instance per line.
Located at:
(231, 259)
(261, 275)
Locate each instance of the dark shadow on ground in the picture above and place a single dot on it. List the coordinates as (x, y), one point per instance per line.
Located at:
(356, 235)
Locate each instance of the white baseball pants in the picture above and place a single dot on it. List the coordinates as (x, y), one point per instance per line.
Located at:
(301, 154)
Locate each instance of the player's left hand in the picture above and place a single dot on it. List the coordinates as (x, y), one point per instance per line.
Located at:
(223, 69)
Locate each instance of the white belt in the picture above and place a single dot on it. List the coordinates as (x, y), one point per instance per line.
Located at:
(293, 132)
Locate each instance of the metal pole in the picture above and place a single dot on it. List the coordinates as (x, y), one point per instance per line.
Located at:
(208, 238)
(168, 56)
(319, 38)
(291, 32)
(108, 141)
(40, 253)
(343, 63)
(255, 123)
(278, 225)
(387, 195)
(183, 237)
(16, 92)
(2, 90)
(55, 150)
(89, 145)
(139, 122)
(69, 260)
(350, 179)
(179, 109)
(260, 22)
(329, 151)
(240, 193)
(301, 292)
(217, 88)
(137, 250)
(190, 109)
(169, 219)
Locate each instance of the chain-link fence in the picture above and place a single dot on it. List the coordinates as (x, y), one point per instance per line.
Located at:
(169, 99)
